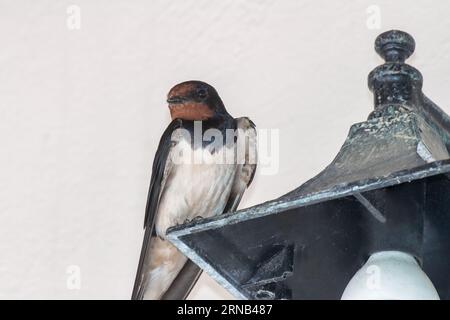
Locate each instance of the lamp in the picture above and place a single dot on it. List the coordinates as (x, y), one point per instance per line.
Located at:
(390, 275)
(387, 190)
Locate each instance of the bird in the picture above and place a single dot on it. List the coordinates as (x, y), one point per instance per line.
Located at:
(191, 180)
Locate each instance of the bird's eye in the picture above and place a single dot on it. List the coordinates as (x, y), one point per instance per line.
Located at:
(202, 93)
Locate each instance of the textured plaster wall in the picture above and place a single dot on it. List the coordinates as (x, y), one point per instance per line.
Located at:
(82, 110)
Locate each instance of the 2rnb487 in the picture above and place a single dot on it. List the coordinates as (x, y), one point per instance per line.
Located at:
(245, 309)
(224, 309)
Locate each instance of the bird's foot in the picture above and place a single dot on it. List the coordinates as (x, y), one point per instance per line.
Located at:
(195, 219)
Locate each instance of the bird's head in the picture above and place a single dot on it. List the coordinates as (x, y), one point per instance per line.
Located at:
(196, 101)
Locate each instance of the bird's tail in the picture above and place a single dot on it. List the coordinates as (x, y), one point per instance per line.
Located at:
(159, 265)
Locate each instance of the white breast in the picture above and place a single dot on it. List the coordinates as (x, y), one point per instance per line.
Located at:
(195, 189)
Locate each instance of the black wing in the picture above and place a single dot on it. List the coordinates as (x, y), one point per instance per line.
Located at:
(246, 170)
(159, 175)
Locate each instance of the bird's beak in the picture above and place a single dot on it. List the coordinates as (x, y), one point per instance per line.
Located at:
(175, 100)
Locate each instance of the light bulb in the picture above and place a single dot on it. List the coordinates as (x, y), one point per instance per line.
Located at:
(390, 275)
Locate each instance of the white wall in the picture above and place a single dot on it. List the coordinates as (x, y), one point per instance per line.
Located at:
(81, 112)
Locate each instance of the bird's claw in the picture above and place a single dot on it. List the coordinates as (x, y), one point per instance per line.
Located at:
(195, 219)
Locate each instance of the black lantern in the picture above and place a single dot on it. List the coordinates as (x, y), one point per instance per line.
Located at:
(388, 189)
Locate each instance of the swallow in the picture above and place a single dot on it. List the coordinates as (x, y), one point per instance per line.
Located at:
(182, 189)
